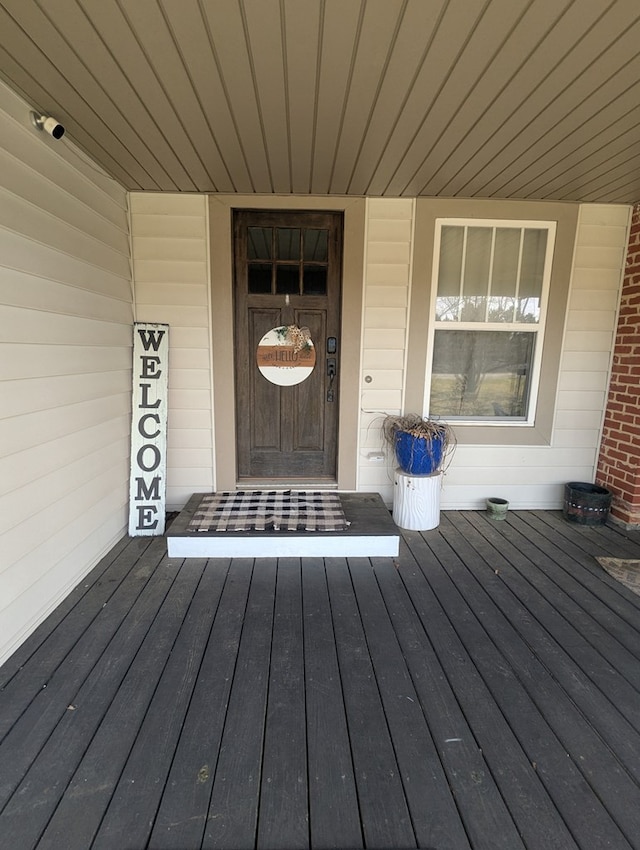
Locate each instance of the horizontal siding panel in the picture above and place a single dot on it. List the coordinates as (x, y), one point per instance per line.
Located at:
(31, 326)
(24, 291)
(385, 317)
(30, 431)
(46, 228)
(67, 482)
(170, 226)
(170, 271)
(577, 437)
(585, 381)
(189, 438)
(188, 458)
(38, 361)
(591, 320)
(200, 479)
(570, 400)
(586, 361)
(94, 535)
(605, 214)
(36, 394)
(389, 230)
(514, 459)
(575, 420)
(597, 257)
(188, 338)
(547, 496)
(387, 274)
(177, 497)
(588, 340)
(189, 400)
(391, 253)
(27, 186)
(376, 338)
(189, 379)
(386, 359)
(35, 463)
(599, 279)
(185, 317)
(169, 248)
(389, 208)
(594, 299)
(189, 420)
(26, 538)
(605, 236)
(188, 358)
(167, 203)
(385, 379)
(382, 399)
(387, 296)
(20, 253)
(175, 293)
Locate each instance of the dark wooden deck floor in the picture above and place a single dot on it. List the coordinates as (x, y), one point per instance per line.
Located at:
(480, 691)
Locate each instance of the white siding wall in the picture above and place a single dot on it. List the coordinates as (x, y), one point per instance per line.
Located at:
(171, 273)
(65, 369)
(388, 256)
(528, 476)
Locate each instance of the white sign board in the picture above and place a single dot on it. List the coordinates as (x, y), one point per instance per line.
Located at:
(147, 485)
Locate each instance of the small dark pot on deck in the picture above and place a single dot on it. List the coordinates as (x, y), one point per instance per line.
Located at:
(586, 504)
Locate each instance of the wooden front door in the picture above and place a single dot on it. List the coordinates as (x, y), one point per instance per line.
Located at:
(287, 273)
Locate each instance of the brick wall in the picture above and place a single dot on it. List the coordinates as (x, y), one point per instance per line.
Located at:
(619, 461)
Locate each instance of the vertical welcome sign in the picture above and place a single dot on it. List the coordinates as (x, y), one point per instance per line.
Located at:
(147, 485)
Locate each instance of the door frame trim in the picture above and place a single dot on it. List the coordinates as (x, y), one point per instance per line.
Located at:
(221, 263)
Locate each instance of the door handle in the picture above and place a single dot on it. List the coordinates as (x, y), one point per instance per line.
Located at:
(331, 373)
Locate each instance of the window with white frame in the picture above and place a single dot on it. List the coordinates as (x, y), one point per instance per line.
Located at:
(492, 279)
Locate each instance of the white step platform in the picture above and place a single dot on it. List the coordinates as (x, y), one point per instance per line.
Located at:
(371, 533)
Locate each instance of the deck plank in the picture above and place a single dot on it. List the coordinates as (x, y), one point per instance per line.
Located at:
(182, 814)
(429, 797)
(385, 815)
(233, 811)
(539, 711)
(334, 813)
(481, 691)
(116, 631)
(283, 817)
(120, 796)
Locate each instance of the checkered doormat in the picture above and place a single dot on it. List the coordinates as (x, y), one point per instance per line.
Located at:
(273, 510)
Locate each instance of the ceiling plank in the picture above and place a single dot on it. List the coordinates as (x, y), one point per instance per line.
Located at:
(226, 27)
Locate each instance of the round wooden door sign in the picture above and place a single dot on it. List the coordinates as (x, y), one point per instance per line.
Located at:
(286, 355)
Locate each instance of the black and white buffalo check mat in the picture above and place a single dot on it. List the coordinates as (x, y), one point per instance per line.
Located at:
(273, 510)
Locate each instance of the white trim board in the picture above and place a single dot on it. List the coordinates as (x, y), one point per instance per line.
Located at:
(298, 546)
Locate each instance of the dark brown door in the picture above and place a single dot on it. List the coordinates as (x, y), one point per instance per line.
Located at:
(287, 273)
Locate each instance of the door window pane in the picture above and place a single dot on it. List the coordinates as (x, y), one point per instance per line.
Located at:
(316, 245)
(287, 279)
(288, 239)
(481, 374)
(314, 280)
(259, 278)
(259, 243)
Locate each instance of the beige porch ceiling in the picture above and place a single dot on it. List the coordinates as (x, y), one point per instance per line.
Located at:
(452, 98)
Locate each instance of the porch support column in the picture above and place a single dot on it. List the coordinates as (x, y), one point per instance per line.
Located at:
(619, 461)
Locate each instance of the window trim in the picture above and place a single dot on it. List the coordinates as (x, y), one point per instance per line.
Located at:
(427, 211)
(538, 328)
